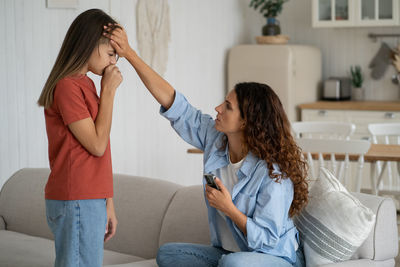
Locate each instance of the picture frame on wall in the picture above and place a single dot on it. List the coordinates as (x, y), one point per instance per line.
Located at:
(62, 3)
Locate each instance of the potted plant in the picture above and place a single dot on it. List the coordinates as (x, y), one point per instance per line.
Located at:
(270, 10)
(357, 80)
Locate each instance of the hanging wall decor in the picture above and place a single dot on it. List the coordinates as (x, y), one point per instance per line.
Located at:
(153, 33)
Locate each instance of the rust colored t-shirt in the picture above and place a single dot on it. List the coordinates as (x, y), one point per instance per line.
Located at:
(75, 173)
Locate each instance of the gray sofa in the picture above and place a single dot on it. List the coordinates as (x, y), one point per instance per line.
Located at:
(150, 212)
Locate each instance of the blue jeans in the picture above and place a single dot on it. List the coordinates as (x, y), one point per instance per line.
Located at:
(196, 255)
(78, 227)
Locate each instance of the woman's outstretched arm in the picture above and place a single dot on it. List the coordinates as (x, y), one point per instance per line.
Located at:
(192, 126)
(162, 91)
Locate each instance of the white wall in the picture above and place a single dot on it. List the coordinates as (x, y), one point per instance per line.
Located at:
(200, 39)
(142, 142)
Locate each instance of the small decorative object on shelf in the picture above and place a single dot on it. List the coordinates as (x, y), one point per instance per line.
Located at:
(270, 10)
(357, 80)
(276, 39)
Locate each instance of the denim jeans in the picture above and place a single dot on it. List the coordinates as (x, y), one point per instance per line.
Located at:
(196, 255)
(78, 227)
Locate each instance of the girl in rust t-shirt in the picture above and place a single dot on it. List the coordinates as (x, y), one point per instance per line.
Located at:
(79, 191)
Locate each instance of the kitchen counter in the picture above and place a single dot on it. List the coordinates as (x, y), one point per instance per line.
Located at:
(354, 105)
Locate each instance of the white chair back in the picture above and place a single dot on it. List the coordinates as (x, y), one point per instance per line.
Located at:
(386, 133)
(323, 129)
(346, 148)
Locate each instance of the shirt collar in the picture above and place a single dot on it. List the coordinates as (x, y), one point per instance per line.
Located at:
(248, 165)
(224, 152)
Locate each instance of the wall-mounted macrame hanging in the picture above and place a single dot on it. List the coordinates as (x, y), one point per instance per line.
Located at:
(153, 33)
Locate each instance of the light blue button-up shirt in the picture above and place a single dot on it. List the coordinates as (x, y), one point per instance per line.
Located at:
(265, 202)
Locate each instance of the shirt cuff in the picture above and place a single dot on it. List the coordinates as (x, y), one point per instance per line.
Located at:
(77, 117)
(255, 238)
(177, 109)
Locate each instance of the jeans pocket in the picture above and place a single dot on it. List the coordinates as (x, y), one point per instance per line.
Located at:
(55, 209)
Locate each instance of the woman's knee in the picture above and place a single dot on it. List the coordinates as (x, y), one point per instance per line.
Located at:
(165, 250)
(167, 253)
(239, 259)
(232, 260)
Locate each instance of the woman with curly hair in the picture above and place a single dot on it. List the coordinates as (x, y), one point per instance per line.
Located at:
(260, 169)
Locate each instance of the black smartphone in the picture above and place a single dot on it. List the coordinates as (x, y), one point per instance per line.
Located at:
(210, 180)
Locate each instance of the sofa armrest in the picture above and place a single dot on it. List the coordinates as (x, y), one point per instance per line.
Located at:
(2, 223)
(386, 233)
(382, 242)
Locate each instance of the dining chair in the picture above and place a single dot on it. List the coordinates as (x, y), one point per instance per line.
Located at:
(386, 133)
(324, 130)
(343, 150)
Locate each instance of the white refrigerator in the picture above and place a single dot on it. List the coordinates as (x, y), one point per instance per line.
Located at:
(292, 71)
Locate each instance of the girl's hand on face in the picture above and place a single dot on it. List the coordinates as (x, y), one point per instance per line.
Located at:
(111, 79)
(219, 199)
(118, 40)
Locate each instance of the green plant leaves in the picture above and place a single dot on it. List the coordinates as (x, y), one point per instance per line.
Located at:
(356, 76)
(269, 8)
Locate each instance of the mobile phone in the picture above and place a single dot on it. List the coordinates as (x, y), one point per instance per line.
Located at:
(210, 180)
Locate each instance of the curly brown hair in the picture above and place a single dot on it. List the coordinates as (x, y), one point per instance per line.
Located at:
(267, 134)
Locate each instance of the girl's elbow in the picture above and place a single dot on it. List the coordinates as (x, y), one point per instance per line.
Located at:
(98, 153)
(98, 150)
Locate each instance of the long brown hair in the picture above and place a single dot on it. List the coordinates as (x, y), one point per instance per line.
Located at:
(83, 36)
(267, 134)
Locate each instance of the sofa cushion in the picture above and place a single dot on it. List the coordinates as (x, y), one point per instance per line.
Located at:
(116, 258)
(334, 223)
(2, 223)
(145, 263)
(22, 203)
(24, 250)
(186, 218)
(140, 205)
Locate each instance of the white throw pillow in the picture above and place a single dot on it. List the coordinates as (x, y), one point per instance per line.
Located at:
(334, 223)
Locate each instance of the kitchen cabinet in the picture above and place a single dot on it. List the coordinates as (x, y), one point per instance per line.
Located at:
(377, 13)
(354, 13)
(333, 13)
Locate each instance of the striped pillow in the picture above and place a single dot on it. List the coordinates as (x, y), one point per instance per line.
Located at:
(333, 224)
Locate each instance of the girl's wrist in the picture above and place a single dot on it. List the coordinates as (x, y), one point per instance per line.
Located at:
(109, 91)
(109, 202)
